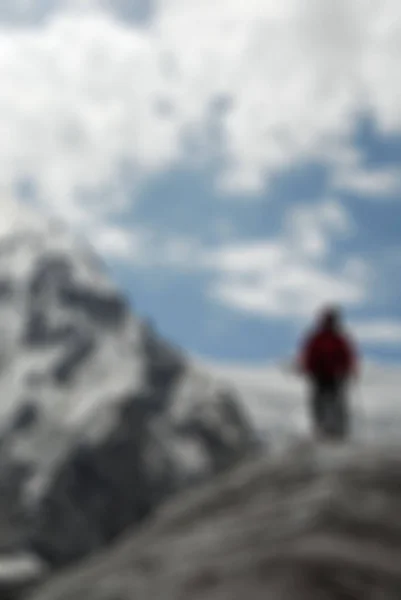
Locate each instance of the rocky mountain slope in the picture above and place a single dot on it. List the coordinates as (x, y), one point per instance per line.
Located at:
(100, 419)
(313, 523)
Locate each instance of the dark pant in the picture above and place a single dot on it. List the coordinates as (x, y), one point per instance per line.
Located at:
(329, 407)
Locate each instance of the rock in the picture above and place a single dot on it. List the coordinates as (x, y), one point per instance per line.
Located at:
(19, 574)
(313, 523)
(26, 416)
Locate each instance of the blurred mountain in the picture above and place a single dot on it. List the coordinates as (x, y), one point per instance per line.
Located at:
(101, 420)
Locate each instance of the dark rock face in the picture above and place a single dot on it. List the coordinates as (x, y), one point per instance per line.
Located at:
(20, 574)
(315, 523)
(6, 290)
(223, 451)
(54, 277)
(51, 273)
(79, 349)
(13, 519)
(109, 310)
(39, 332)
(109, 486)
(25, 417)
(103, 489)
(162, 367)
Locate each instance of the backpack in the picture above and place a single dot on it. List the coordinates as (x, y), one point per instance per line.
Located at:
(327, 356)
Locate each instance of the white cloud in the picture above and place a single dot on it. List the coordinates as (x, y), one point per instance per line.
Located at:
(77, 103)
(291, 288)
(375, 183)
(13, 219)
(116, 242)
(148, 250)
(299, 74)
(85, 94)
(310, 227)
(379, 332)
(284, 276)
(287, 275)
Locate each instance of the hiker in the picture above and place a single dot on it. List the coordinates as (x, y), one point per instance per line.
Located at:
(328, 359)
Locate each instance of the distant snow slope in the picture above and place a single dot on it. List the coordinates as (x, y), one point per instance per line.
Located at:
(276, 401)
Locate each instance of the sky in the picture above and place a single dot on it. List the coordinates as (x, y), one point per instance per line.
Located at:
(236, 164)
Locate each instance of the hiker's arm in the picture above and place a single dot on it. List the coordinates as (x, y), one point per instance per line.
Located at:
(303, 359)
(352, 355)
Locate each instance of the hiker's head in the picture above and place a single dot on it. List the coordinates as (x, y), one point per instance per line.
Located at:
(330, 318)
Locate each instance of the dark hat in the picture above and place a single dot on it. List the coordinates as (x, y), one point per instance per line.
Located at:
(330, 317)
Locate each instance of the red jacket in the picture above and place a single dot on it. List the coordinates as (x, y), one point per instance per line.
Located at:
(328, 354)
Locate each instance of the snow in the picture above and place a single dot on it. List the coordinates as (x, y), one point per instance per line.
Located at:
(20, 568)
(276, 401)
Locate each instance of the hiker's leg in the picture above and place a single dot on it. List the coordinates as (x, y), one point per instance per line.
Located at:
(340, 410)
(317, 405)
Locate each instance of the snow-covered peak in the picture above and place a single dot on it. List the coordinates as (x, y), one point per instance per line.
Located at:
(94, 404)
